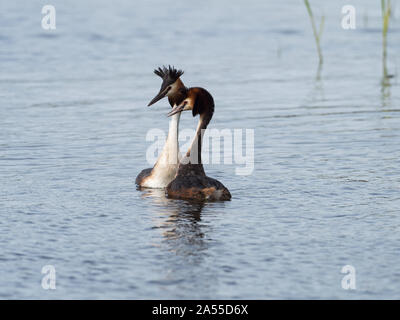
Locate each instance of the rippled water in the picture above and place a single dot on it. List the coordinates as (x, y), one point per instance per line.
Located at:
(325, 191)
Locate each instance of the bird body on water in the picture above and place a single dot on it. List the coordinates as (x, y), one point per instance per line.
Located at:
(183, 178)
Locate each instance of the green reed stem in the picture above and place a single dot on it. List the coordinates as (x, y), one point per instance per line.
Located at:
(386, 13)
(317, 34)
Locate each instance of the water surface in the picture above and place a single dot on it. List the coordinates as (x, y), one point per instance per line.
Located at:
(325, 191)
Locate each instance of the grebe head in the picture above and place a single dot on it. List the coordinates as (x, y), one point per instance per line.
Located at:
(171, 83)
(198, 100)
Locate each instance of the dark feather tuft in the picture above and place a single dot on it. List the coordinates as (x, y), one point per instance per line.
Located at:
(169, 75)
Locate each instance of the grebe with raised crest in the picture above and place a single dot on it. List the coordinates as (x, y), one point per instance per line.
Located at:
(164, 170)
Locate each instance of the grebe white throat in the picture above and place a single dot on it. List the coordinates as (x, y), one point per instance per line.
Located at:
(164, 170)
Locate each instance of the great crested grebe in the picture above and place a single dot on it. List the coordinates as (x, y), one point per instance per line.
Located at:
(191, 181)
(164, 171)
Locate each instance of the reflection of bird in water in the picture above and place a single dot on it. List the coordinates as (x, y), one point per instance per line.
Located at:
(182, 245)
(180, 222)
(185, 227)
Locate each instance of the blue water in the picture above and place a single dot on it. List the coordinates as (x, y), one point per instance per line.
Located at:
(324, 193)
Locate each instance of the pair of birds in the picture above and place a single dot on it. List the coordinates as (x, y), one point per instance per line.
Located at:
(183, 177)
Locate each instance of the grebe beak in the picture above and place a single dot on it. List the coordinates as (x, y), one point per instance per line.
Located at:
(185, 105)
(176, 109)
(163, 92)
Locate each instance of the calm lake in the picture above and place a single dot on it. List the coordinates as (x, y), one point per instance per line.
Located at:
(324, 192)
